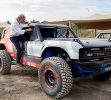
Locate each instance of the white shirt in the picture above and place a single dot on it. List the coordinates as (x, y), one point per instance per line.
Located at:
(16, 29)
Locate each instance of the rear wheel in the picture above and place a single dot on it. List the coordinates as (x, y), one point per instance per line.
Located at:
(55, 77)
(103, 77)
(5, 62)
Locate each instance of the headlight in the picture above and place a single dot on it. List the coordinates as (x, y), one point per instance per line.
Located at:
(89, 54)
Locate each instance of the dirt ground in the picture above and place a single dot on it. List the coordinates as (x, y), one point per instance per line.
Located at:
(22, 84)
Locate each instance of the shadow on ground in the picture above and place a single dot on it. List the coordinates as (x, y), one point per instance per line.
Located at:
(22, 84)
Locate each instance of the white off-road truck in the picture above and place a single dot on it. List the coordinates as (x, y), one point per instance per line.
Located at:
(59, 55)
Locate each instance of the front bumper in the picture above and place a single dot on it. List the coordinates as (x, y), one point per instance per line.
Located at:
(91, 68)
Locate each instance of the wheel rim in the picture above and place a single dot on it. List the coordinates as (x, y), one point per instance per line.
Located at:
(50, 78)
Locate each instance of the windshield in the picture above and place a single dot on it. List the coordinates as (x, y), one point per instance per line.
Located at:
(57, 32)
(104, 36)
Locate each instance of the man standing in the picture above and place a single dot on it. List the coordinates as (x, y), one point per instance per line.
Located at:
(17, 35)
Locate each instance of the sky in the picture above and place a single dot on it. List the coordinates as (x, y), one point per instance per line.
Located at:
(52, 10)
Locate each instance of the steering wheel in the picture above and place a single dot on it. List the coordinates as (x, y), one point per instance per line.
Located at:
(60, 35)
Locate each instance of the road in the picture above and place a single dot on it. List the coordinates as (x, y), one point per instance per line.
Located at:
(22, 84)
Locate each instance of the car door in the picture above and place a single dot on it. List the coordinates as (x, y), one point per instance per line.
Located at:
(34, 45)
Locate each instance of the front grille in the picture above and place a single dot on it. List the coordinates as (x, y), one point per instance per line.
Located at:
(94, 54)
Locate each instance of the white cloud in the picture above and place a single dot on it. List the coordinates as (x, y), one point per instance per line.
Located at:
(52, 9)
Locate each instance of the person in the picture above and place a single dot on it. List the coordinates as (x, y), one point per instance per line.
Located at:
(17, 35)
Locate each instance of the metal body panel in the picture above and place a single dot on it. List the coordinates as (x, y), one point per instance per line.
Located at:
(36, 48)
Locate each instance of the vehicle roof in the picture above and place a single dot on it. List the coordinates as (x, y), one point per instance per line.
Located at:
(41, 24)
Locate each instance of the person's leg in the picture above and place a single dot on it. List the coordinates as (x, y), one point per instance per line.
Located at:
(22, 38)
(15, 41)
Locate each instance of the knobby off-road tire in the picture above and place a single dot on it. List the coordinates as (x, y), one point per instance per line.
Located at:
(55, 77)
(103, 77)
(5, 62)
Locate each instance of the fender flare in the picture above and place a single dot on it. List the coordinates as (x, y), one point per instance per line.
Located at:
(52, 49)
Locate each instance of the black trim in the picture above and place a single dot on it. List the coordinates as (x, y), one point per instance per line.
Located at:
(93, 65)
(95, 54)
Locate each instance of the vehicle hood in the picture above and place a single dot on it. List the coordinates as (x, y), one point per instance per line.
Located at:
(92, 42)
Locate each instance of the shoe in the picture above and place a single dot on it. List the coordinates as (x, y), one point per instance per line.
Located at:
(19, 64)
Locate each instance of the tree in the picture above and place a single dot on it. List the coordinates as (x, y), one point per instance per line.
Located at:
(44, 22)
(34, 21)
(1, 30)
(8, 22)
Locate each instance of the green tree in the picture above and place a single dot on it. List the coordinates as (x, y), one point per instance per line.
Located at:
(8, 22)
(44, 22)
(1, 30)
(34, 21)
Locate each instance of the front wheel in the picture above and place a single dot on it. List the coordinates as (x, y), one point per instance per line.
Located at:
(55, 77)
(103, 77)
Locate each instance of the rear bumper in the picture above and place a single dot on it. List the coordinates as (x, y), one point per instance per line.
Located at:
(91, 68)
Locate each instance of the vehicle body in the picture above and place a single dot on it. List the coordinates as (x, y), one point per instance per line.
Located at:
(60, 55)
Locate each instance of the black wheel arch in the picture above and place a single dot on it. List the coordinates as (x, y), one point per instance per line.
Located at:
(53, 51)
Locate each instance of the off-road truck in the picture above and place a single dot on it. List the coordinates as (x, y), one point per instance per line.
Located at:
(59, 55)
(104, 35)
